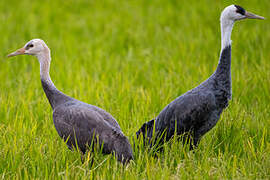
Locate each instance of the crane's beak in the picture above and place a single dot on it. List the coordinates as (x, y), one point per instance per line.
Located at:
(18, 52)
(253, 16)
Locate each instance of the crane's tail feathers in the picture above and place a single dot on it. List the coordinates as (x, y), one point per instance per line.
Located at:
(146, 130)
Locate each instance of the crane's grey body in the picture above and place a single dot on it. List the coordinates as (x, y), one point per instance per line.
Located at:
(81, 124)
(198, 110)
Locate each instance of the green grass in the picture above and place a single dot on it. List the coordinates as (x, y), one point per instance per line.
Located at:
(132, 58)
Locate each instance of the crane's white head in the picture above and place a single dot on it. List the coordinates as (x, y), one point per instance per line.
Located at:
(34, 47)
(235, 13)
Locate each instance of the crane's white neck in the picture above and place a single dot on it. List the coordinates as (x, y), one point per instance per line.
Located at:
(54, 96)
(44, 59)
(226, 31)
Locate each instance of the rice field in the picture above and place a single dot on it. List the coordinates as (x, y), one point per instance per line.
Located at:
(132, 58)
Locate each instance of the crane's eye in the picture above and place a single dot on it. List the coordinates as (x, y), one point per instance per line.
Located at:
(240, 10)
(29, 46)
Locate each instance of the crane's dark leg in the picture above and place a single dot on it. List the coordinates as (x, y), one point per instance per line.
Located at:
(189, 140)
(87, 157)
(194, 143)
(82, 158)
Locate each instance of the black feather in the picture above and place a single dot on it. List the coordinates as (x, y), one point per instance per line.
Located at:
(240, 10)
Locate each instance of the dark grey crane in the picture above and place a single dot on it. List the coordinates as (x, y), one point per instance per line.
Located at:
(197, 111)
(78, 123)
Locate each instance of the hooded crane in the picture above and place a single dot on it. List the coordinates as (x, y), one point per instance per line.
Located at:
(78, 123)
(197, 111)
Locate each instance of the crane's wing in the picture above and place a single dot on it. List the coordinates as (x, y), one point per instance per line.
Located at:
(107, 116)
(79, 125)
(187, 112)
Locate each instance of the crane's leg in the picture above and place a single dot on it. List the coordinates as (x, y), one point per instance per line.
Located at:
(82, 158)
(194, 143)
(87, 158)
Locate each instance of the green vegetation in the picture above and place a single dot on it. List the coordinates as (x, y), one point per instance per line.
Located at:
(132, 58)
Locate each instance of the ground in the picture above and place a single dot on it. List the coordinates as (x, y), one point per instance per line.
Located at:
(132, 58)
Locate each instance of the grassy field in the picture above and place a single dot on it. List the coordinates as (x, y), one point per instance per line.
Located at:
(132, 58)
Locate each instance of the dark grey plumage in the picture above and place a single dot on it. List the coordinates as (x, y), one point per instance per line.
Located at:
(198, 110)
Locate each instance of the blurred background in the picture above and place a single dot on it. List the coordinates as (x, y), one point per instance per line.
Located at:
(132, 58)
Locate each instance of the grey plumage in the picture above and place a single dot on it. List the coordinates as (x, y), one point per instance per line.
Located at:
(198, 110)
(80, 124)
